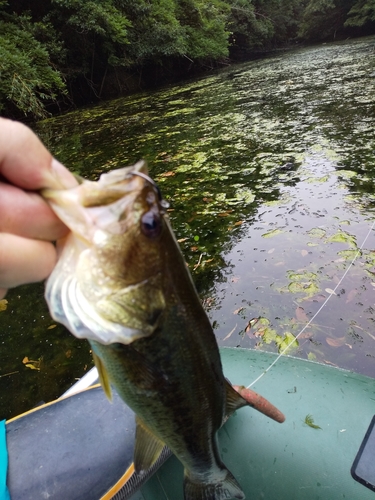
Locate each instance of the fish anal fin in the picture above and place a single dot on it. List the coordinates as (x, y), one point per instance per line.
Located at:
(103, 376)
(147, 447)
(234, 401)
(221, 490)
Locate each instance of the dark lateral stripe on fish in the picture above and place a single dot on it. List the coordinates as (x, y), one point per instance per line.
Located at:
(260, 403)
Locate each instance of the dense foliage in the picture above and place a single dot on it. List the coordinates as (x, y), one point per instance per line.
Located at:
(56, 52)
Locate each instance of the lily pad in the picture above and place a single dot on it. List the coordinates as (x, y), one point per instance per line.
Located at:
(316, 232)
(343, 237)
(287, 342)
(348, 254)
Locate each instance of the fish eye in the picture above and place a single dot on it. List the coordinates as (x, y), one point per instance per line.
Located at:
(151, 224)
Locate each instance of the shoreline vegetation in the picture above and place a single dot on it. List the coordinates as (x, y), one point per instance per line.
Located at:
(57, 55)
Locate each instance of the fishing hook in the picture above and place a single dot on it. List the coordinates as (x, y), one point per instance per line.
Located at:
(164, 203)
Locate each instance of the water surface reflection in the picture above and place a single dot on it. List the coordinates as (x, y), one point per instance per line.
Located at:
(269, 168)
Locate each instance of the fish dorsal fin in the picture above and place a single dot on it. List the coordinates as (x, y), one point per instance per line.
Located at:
(234, 401)
(147, 447)
(103, 376)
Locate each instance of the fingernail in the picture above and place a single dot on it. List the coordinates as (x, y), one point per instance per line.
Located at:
(65, 178)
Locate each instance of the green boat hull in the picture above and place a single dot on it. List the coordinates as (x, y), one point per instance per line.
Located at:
(291, 460)
(59, 447)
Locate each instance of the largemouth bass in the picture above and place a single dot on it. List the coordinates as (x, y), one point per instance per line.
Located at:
(122, 283)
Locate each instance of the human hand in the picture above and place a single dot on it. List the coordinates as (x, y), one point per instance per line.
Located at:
(27, 224)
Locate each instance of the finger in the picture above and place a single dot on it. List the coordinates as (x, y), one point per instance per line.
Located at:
(26, 213)
(24, 260)
(25, 162)
(3, 292)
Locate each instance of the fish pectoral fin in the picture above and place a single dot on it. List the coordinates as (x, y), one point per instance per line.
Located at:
(103, 376)
(234, 401)
(147, 447)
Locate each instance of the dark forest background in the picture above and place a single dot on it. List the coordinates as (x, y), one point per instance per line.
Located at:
(59, 54)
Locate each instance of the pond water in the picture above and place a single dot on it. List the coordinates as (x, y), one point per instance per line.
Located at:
(269, 167)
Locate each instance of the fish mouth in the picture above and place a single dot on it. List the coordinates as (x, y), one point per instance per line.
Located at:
(82, 207)
(103, 204)
(98, 289)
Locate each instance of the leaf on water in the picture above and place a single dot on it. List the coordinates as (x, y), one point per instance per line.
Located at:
(32, 367)
(31, 363)
(310, 422)
(51, 327)
(313, 180)
(181, 240)
(238, 223)
(230, 333)
(304, 253)
(311, 356)
(311, 288)
(269, 335)
(343, 237)
(335, 342)
(251, 324)
(262, 322)
(295, 287)
(237, 311)
(272, 233)
(306, 335)
(287, 342)
(302, 276)
(3, 304)
(316, 298)
(271, 251)
(316, 232)
(330, 291)
(329, 363)
(301, 315)
(348, 254)
(351, 295)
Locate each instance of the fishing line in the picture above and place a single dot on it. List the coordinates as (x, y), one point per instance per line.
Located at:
(333, 292)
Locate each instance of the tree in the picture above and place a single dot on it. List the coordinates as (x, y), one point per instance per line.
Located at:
(324, 19)
(361, 14)
(95, 33)
(263, 24)
(251, 28)
(28, 80)
(205, 27)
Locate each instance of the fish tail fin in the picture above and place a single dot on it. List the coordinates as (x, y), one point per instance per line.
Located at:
(224, 489)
